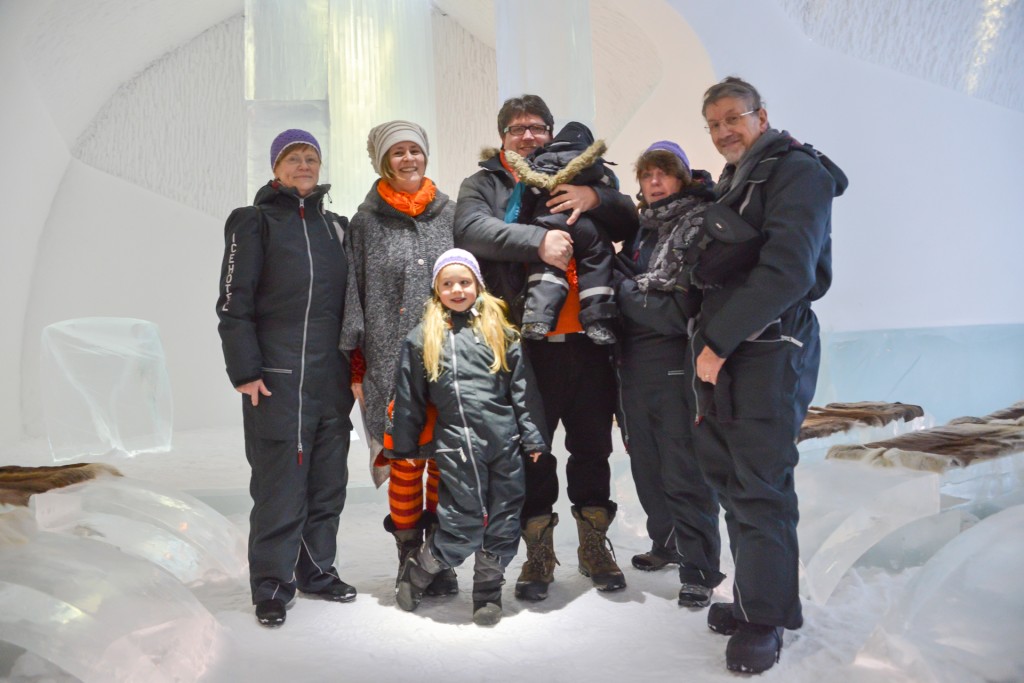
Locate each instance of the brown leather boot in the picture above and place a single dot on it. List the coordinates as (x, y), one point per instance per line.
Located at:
(539, 569)
(596, 554)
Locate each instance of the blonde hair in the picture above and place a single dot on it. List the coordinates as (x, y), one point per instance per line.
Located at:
(490, 321)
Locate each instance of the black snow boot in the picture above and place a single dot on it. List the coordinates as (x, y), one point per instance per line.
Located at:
(721, 619)
(417, 572)
(446, 581)
(271, 612)
(406, 541)
(753, 648)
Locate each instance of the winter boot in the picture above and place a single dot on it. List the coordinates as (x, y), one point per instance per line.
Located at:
(596, 554)
(488, 577)
(271, 612)
(539, 569)
(753, 648)
(406, 540)
(417, 572)
(721, 619)
(446, 582)
(658, 557)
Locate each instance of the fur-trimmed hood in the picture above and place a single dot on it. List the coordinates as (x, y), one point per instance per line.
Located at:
(530, 175)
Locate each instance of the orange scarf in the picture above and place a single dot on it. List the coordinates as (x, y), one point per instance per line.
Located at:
(411, 204)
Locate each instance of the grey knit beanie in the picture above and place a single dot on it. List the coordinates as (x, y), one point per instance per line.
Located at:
(382, 137)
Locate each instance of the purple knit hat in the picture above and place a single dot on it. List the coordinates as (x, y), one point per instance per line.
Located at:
(292, 136)
(461, 257)
(671, 148)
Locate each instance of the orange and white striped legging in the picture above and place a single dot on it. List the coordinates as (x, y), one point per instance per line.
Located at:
(405, 491)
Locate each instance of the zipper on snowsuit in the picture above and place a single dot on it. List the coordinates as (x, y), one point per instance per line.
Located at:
(465, 426)
(305, 322)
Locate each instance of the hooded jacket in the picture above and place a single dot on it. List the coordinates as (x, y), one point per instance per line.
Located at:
(784, 189)
(503, 247)
(282, 295)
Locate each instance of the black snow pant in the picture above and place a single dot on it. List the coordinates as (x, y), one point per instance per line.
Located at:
(478, 507)
(576, 381)
(293, 526)
(749, 457)
(547, 286)
(682, 509)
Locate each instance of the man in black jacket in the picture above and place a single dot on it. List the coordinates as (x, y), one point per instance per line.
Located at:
(755, 354)
(574, 376)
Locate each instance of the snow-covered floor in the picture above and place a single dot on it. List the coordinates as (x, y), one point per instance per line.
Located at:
(576, 634)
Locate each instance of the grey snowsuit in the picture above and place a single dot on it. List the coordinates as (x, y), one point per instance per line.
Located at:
(762, 324)
(280, 308)
(487, 423)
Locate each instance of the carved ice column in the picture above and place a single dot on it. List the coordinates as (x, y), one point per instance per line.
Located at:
(544, 48)
(286, 60)
(381, 68)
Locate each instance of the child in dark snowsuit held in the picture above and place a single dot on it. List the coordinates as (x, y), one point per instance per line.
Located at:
(464, 358)
(574, 157)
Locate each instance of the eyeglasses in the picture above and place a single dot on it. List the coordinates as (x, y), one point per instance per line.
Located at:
(729, 121)
(298, 160)
(519, 131)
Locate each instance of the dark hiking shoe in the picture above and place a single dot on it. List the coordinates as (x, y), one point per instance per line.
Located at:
(654, 559)
(336, 591)
(270, 612)
(753, 648)
(600, 333)
(596, 554)
(445, 583)
(486, 613)
(694, 595)
(721, 619)
(539, 569)
(535, 330)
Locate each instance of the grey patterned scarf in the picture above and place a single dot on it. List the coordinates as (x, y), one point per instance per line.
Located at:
(676, 219)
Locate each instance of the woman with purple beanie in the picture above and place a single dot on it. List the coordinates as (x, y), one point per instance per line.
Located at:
(656, 302)
(282, 294)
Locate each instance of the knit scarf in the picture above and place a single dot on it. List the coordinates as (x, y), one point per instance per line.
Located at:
(411, 204)
(676, 220)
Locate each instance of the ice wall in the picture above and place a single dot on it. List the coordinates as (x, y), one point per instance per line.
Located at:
(912, 246)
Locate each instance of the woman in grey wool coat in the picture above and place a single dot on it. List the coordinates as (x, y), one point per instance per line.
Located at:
(400, 229)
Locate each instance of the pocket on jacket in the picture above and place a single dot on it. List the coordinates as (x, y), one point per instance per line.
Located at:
(276, 417)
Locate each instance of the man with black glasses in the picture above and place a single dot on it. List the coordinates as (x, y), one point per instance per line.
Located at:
(574, 376)
(755, 356)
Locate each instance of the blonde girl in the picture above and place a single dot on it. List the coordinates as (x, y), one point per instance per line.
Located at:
(465, 359)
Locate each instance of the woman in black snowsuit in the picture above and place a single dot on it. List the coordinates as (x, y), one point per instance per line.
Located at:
(657, 302)
(280, 307)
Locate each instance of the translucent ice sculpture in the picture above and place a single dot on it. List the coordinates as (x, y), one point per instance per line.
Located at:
(99, 614)
(961, 617)
(846, 508)
(169, 528)
(105, 388)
